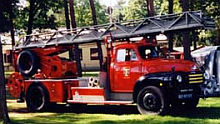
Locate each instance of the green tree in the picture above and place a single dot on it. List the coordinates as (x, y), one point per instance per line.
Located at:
(83, 13)
(95, 22)
(136, 9)
(6, 24)
(117, 14)
(162, 6)
(3, 107)
(211, 8)
(150, 7)
(72, 13)
(67, 19)
(39, 14)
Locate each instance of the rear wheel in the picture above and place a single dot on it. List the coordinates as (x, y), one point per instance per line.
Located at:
(37, 98)
(151, 100)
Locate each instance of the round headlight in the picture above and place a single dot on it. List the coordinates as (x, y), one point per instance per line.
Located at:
(194, 68)
(179, 78)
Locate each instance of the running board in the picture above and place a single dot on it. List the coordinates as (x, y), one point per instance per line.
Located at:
(99, 102)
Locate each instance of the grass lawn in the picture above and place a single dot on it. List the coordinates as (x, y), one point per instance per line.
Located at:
(208, 112)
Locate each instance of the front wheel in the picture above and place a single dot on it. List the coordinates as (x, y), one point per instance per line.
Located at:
(151, 100)
(37, 98)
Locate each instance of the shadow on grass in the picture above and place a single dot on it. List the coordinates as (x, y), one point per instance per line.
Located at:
(198, 113)
(96, 109)
(106, 114)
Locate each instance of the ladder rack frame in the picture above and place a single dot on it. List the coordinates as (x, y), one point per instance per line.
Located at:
(189, 20)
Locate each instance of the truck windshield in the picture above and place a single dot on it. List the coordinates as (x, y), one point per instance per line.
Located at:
(147, 52)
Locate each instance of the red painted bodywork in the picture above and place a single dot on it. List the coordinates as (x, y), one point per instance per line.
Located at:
(120, 82)
(53, 72)
(58, 89)
(51, 65)
(88, 91)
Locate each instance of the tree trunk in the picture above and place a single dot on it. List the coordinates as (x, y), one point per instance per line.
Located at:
(150, 7)
(76, 46)
(194, 37)
(72, 13)
(12, 26)
(78, 60)
(12, 33)
(67, 19)
(170, 11)
(94, 18)
(185, 5)
(98, 43)
(31, 17)
(3, 107)
(217, 41)
(186, 39)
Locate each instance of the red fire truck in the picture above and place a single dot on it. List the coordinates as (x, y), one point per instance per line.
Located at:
(134, 72)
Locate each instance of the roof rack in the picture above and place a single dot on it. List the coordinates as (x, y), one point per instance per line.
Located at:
(189, 20)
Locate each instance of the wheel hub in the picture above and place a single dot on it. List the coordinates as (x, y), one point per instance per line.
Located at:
(151, 102)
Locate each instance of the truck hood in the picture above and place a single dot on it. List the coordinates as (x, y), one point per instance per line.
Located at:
(164, 65)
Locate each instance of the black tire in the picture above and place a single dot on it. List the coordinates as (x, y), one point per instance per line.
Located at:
(151, 100)
(28, 63)
(37, 98)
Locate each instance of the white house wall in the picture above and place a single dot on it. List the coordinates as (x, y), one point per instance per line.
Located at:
(86, 62)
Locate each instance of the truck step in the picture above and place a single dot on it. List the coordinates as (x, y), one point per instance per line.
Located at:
(87, 94)
(99, 102)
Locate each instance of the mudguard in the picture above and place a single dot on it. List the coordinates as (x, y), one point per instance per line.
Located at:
(163, 79)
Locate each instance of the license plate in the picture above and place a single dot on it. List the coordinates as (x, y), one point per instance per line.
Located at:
(184, 96)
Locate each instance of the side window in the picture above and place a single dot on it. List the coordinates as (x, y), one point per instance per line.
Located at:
(126, 55)
(121, 55)
(133, 55)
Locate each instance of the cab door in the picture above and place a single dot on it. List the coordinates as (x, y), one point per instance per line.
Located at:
(127, 69)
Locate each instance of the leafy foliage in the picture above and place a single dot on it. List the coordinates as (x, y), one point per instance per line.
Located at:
(5, 7)
(161, 7)
(118, 12)
(83, 13)
(43, 13)
(136, 9)
(212, 8)
(50, 14)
